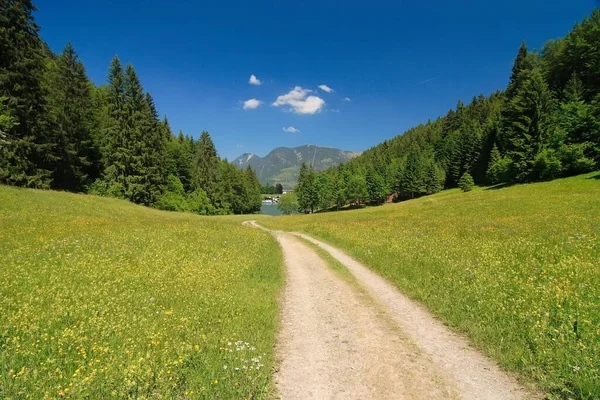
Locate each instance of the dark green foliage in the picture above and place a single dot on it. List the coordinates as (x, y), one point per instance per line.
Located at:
(466, 182)
(434, 178)
(279, 188)
(268, 189)
(7, 121)
(324, 191)
(412, 180)
(115, 140)
(523, 64)
(375, 186)
(528, 127)
(357, 191)
(288, 203)
(254, 199)
(27, 147)
(306, 191)
(498, 168)
(205, 165)
(71, 118)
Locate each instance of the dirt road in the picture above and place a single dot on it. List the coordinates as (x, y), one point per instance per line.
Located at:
(365, 340)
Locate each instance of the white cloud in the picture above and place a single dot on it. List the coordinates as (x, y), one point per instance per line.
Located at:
(254, 80)
(347, 99)
(325, 88)
(291, 129)
(252, 104)
(300, 102)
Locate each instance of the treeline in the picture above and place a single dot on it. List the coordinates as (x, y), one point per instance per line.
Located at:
(272, 189)
(59, 131)
(545, 125)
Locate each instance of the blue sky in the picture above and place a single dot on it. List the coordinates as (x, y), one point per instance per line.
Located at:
(399, 63)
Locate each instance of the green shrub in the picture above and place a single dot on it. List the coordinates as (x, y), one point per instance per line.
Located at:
(547, 165)
(466, 182)
(288, 204)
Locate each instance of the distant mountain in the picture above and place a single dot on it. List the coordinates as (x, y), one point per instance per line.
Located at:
(283, 163)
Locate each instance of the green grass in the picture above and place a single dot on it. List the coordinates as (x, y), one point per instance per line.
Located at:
(100, 298)
(512, 268)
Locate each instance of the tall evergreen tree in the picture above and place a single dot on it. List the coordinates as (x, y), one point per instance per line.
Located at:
(529, 125)
(357, 191)
(324, 191)
(252, 190)
(307, 195)
(115, 141)
(375, 186)
(412, 178)
(521, 65)
(205, 164)
(71, 115)
(24, 157)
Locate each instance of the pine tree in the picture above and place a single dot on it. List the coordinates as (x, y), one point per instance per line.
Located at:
(71, 114)
(7, 122)
(466, 182)
(138, 129)
(357, 189)
(375, 186)
(521, 65)
(23, 158)
(205, 164)
(340, 188)
(278, 188)
(307, 195)
(529, 126)
(434, 178)
(574, 89)
(116, 147)
(253, 191)
(155, 141)
(323, 191)
(498, 167)
(412, 178)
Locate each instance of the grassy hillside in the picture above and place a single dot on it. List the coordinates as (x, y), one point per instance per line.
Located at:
(104, 299)
(517, 269)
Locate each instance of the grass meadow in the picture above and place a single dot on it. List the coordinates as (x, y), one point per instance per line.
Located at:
(100, 298)
(517, 269)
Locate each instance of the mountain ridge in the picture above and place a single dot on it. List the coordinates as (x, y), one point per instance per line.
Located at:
(282, 164)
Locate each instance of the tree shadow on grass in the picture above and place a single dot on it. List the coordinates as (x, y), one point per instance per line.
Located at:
(597, 177)
(500, 186)
(345, 208)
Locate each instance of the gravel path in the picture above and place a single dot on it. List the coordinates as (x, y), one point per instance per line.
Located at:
(340, 341)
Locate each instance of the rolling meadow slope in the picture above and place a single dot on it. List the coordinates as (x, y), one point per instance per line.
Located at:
(516, 269)
(101, 298)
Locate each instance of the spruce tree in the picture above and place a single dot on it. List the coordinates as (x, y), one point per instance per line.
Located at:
(521, 65)
(498, 167)
(412, 178)
(24, 156)
(466, 182)
(529, 125)
(116, 147)
(323, 191)
(71, 115)
(205, 165)
(253, 191)
(301, 188)
(375, 186)
(307, 195)
(574, 89)
(434, 178)
(357, 189)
